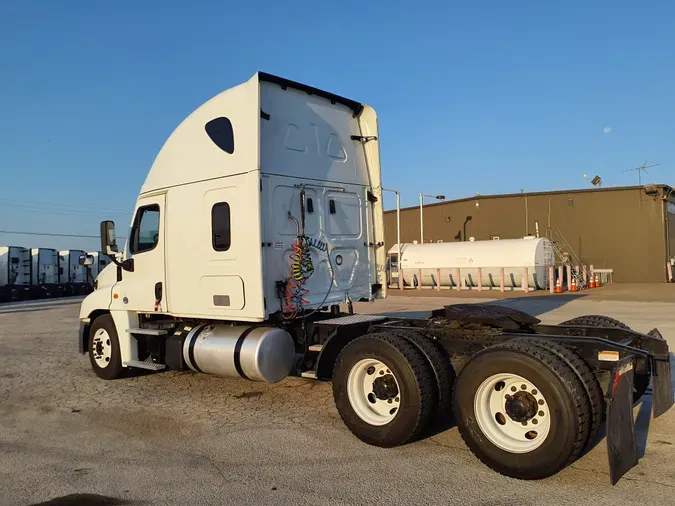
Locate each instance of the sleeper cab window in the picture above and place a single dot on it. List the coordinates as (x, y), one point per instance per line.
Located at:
(145, 234)
(220, 226)
(221, 133)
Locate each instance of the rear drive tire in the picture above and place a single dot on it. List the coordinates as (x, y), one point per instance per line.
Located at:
(441, 367)
(383, 389)
(526, 433)
(104, 348)
(587, 378)
(641, 381)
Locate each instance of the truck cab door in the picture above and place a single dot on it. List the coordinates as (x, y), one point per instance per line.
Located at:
(143, 289)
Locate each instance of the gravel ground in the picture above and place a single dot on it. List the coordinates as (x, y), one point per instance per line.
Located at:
(184, 438)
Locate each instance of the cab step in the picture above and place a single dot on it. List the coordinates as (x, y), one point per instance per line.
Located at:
(148, 332)
(308, 374)
(316, 347)
(144, 364)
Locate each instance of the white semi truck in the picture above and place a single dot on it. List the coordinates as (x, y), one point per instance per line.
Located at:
(262, 214)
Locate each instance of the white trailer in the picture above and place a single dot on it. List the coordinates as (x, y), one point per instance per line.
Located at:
(261, 215)
(73, 276)
(94, 262)
(15, 271)
(45, 272)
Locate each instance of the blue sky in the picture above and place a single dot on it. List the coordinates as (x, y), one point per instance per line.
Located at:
(485, 97)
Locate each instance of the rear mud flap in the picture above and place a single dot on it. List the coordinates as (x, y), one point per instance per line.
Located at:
(621, 442)
(662, 388)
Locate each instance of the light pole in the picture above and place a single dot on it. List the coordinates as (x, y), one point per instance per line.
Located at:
(398, 235)
(422, 195)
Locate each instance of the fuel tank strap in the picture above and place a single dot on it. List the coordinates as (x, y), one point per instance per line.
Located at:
(191, 349)
(237, 351)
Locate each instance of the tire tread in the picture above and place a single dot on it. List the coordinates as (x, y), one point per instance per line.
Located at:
(421, 370)
(568, 378)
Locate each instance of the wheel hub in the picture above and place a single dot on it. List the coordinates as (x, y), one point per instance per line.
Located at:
(521, 407)
(102, 348)
(385, 387)
(373, 391)
(512, 412)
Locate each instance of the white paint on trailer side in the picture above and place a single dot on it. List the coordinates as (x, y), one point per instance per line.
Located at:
(99, 263)
(45, 266)
(69, 267)
(14, 266)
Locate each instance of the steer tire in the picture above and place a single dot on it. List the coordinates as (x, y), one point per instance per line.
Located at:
(113, 368)
(564, 401)
(641, 381)
(415, 381)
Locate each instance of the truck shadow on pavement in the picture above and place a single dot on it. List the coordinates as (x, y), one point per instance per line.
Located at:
(85, 500)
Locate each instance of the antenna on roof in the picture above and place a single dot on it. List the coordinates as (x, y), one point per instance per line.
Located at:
(595, 181)
(642, 168)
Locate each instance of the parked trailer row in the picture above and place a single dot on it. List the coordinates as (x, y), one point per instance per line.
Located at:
(35, 273)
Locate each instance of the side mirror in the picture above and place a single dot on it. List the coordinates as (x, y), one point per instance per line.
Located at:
(86, 259)
(108, 240)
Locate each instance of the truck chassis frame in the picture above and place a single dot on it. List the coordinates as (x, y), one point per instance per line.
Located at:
(621, 360)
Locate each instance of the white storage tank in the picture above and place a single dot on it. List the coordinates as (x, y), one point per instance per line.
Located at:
(512, 254)
(45, 266)
(69, 267)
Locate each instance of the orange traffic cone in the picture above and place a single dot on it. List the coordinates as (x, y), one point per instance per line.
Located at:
(573, 286)
(597, 281)
(591, 282)
(558, 286)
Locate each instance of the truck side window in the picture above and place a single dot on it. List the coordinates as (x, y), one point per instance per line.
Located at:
(220, 226)
(145, 233)
(221, 133)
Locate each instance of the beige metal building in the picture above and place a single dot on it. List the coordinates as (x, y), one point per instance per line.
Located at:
(628, 229)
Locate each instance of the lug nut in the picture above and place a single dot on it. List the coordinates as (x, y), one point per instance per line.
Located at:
(541, 413)
(513, 389)
(534, 421)
(524, 387)
(541, 402)
(524, 424)
(534, 392)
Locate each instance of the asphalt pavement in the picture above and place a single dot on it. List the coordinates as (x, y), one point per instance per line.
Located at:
(69, 438)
